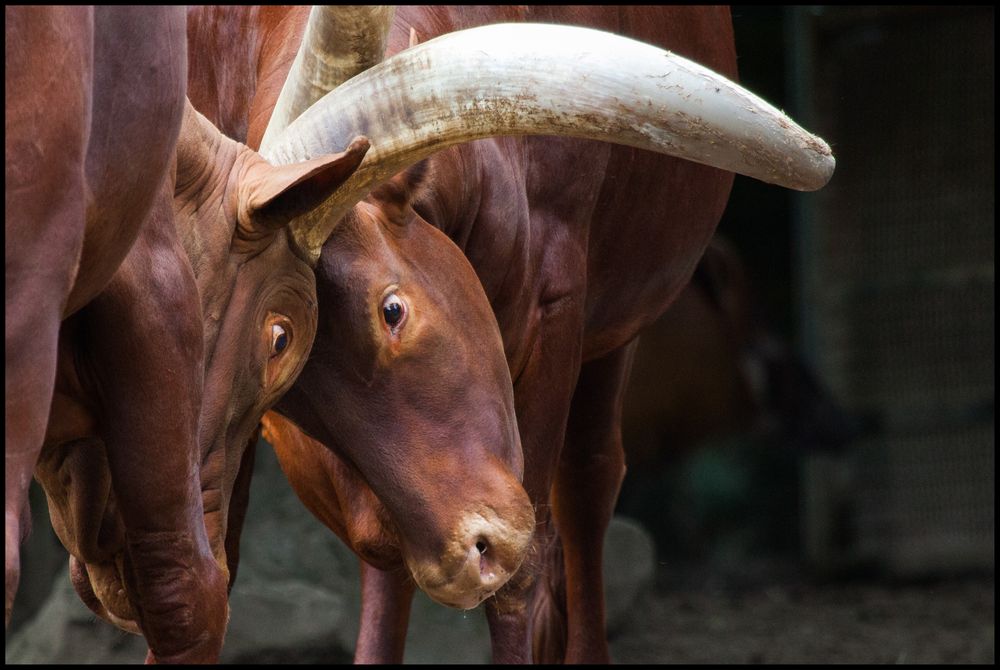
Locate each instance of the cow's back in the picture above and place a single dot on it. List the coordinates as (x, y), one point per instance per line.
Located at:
(643, 218)
(656, 214)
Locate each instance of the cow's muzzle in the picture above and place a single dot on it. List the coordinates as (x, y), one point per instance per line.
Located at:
(486, 547)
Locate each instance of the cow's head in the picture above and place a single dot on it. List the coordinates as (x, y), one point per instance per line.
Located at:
(258, 301)
(258, 292)
(408, 381)
(411, 383)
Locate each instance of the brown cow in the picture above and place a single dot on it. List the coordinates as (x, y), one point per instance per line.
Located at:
(708, 366)
(80, 97)
(212, 294)
(410, 376)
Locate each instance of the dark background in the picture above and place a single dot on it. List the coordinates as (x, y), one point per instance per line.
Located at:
(881, 286)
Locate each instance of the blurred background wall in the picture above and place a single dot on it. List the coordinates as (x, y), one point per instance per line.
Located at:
(877, 448)
(896, 273)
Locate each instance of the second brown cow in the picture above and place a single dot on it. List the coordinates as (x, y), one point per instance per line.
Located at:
(478, 311)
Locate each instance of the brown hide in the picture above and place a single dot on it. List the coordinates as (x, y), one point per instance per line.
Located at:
(138, 483)
(82, 96)
(228, 206)
(241, 58)
(576, 245)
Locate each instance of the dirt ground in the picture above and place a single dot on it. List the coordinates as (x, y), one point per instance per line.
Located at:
(776, 616)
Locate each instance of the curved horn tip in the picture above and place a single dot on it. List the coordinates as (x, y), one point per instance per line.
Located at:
(775, 151)
(825, 168)
(827, 174)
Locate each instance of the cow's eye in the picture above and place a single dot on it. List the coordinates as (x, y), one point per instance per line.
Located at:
(393, 310)
(279, 339)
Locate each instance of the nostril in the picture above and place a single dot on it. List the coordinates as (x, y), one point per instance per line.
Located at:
(487, 571)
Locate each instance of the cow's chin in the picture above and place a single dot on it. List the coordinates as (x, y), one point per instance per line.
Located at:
(461, 591)
(102, 589)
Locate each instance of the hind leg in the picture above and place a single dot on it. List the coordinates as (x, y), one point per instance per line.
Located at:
(49, 56)
(589, 477)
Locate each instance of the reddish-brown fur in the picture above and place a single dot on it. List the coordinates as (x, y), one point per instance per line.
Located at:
(138, 463)
(695, 386)
(575, 245)
(82, 96)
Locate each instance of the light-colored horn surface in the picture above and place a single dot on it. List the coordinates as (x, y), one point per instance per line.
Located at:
(521, 79)
(339, 42)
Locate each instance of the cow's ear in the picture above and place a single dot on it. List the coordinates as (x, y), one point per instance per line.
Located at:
(272, 195)
(400, 192)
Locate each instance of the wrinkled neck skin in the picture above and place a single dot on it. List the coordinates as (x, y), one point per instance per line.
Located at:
(206, 214)
(242, 270)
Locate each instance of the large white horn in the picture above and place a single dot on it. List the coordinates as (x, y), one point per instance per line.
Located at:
(339, 42)
(521, 79)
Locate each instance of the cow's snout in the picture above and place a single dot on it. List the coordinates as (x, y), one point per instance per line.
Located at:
(492, 553)
(487, 547)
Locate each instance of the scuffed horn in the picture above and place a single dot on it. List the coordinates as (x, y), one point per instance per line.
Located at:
(339, 42)
(531, 79)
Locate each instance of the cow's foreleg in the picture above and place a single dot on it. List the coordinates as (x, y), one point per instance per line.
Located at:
(590, 474)
(386, 597)
(146, 340)
(542, 395)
